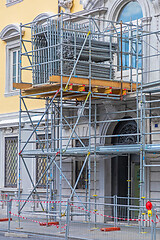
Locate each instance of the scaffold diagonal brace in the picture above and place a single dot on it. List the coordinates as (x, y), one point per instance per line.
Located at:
(68, 182)
(77, 121)
(34, 130)
(85, 161)
(69, 126)
(52, 160)
(27, 53)
(32, 181)
(85, 40)
(32, 124)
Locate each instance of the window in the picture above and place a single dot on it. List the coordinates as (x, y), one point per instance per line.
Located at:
(82, 183)
(11, 160)
(12, 67)
(126, 15)
(12, 2)
(11, 35)
(83, 178)
(130, 12)
(41, 162)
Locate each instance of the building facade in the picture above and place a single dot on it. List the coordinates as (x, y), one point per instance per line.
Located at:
(118, 124)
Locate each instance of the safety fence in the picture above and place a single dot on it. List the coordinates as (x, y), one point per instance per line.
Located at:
(83, 220)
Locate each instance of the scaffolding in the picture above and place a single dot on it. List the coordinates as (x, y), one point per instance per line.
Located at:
(79, 65)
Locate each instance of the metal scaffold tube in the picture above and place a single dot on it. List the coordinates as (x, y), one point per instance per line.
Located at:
(90, 112)
(20, 122)
(79, 77)
(61, 115)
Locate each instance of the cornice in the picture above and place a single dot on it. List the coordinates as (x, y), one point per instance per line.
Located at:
(42, 17)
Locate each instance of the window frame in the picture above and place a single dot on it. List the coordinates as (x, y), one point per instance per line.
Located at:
(130, 56)
(43, 182)
(10, 185)
(128, 73)
(10, 48)
(123, 9)
(78, 163)
(16, 76)
(82, 183)
(127, 58)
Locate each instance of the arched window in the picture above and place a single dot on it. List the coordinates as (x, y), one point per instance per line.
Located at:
(130, 12)
(11, 35)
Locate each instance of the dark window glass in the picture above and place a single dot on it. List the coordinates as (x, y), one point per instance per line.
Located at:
(41, 161)
(82, 183)
(11, 160)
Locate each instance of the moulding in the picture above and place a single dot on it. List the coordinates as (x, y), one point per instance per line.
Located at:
(11, 3)
(42, 17)
(10, 32)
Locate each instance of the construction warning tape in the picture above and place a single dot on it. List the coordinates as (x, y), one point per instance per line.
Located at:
(35, 221)
(95, 211)
(103, 215)
(37, 201)
(3, 201)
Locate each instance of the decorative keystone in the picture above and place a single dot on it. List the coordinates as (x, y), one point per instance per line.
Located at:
(66, 4)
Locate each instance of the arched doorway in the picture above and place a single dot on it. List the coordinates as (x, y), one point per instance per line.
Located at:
(125, 168)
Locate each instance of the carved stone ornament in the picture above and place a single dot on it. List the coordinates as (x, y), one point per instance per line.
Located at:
(91, 4)
(129, 127)
(84, 3)
(66, 4)
(156, 4)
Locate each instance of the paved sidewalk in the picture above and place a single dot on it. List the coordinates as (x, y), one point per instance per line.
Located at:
(81, 231)
(30, 237)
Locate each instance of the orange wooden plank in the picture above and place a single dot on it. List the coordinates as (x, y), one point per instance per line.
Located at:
(22, 85)
(41, 89)
(94, 82)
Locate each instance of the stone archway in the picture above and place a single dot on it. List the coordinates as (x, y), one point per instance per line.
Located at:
(122, 129)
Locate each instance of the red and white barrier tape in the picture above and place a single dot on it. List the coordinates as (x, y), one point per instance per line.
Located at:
(3, 194)
(35, 221)
(37, 201)
(157, 219)
(103, 215)
(5, 200)
(83, 209)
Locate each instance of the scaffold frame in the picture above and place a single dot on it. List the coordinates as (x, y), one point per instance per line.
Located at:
(81, 95)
